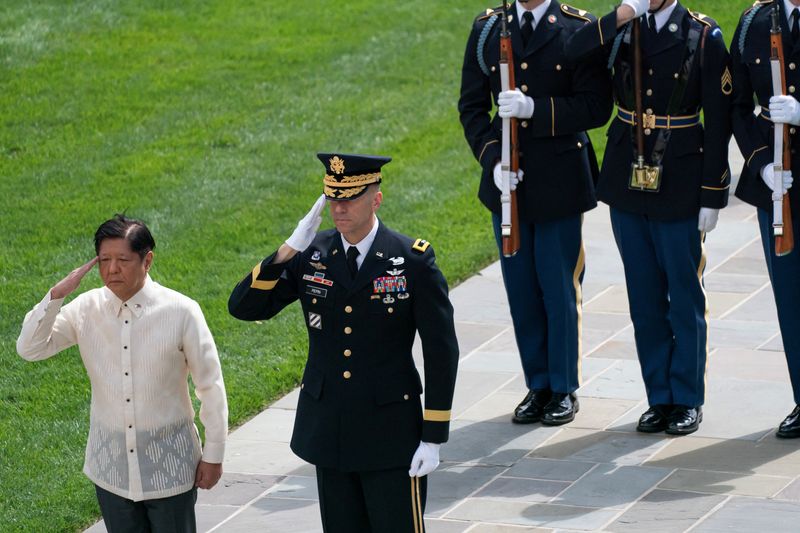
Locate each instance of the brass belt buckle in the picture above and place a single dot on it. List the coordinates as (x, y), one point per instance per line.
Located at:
(649, 121)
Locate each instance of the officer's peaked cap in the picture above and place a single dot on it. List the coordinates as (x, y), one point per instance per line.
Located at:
(347, 176)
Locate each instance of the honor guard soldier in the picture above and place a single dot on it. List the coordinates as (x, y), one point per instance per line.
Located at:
(750, 54)
(555, 101)
(365, 292)
(665, 192)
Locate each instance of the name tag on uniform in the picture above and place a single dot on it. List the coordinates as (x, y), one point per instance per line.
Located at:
(316, 291)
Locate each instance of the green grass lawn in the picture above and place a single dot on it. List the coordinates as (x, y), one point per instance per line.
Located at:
(203, 118)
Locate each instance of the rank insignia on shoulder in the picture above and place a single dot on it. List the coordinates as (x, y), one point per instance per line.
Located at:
(574, 12)
(318, 266)
(420, 246)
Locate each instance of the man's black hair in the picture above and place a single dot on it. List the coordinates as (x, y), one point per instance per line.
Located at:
(122, 227)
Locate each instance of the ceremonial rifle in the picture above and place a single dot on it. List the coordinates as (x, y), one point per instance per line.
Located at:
(782, 155)
(509, 159)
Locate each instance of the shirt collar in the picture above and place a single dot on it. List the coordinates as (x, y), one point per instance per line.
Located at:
(788, 8)
(366, 242)
(538, 12)
(663, 16)
(135, 303)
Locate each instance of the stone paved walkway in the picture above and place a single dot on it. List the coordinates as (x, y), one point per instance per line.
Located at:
(597, 473)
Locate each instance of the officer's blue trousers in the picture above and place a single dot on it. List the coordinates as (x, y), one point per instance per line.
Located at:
(543, 284)
(664, 263)
(784, 273)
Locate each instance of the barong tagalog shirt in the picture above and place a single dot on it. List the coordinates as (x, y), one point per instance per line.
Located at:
(142, 441)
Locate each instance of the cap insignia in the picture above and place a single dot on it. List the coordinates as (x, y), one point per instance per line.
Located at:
(337, 164)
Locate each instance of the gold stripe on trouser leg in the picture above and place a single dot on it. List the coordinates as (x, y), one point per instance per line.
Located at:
(421, 528)
(700, 270)
(414, 505)
(576, 282)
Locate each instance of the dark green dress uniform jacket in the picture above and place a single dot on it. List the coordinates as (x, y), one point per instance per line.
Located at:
(695, 164)
(359, 407)
(569, 98)
(752, 76)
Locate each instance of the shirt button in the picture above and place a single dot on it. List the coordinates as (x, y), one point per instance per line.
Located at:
(676, 75)
(128, 400)
(792, 130)
(580, 145)
(390, 310)
(126, 321)
(524, 88)
(758, 61)
(348, 309)
(524, 66)
(649, 92)
(494, 68)
(792, 66)
(649, 111)
(347, 374)
(558, 67)
(648, 131)
(791, 89)
(131, 451)
(348, 330)
(524, 123)
(125, 347)
(348, 352)
(130, 427)
(405, 396)
(650, 72)
(126, 373)
(313, 300)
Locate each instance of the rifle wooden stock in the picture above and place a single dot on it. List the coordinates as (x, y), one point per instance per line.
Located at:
(510, 149)
(782, 212)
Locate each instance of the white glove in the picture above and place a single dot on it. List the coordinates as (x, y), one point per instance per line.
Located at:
(768, 175)
(514, 177)
(307, 227)
(639, 7)
(514, 104)
(707, 220)
(784, 110)
(425, 459)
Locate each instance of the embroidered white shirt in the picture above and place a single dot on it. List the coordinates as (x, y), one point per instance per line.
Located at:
(142, 441)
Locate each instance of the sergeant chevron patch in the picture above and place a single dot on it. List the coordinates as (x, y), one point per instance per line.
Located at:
(727, 82)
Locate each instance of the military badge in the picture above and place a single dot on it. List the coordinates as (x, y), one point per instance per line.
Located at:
(551, 19)
(315, 256)
(314, 321)
(317, 266)
(387, 284)
(388, 299)
(394, 272)
(673, 27)
(403, 295)
(337, 164)
(397, 261)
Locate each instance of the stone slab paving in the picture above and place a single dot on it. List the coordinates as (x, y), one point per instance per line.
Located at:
(596, 474)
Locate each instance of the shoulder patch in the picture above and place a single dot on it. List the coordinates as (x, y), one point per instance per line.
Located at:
(574, 12)
(420, 246)
(704, 19)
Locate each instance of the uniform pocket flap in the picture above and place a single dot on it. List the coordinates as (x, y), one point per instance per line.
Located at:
(312, 382)
(398, 388)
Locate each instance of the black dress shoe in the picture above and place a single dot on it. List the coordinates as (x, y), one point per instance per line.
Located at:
(531, 408)
(560, 409)
(655, 419)
(790, 427)
(684, 420)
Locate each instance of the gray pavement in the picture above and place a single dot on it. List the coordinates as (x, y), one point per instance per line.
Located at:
(597, 473)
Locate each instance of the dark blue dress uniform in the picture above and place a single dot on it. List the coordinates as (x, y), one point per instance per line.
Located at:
(543, 280)
(685, 70)
(750, 54)
(359, 409)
